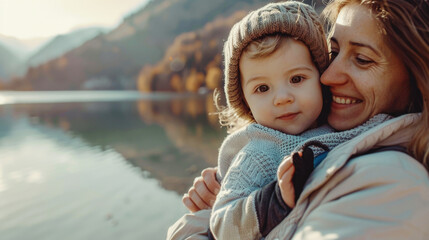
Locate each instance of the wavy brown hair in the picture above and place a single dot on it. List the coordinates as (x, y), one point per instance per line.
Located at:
(405, 26)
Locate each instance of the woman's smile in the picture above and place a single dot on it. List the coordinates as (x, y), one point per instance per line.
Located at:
(345, 100)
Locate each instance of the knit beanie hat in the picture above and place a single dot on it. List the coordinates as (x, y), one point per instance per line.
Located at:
(292, 19)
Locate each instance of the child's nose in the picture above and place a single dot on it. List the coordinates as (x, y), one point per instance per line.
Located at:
(283, 97)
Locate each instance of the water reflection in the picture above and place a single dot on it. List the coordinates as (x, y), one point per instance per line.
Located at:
(106, 170)
(173, 140)
(195, 134)
(56, 186)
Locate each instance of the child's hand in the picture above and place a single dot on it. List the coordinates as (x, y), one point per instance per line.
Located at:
(203, 193)
(284, 177)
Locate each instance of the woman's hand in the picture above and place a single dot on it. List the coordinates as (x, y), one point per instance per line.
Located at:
(284, 177)
(203, 193)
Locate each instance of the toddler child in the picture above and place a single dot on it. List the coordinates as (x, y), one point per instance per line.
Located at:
(273, 60)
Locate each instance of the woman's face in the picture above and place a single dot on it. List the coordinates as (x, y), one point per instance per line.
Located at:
(365, 76)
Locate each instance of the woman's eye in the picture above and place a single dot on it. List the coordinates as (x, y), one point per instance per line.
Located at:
(363, 61)
(332, 55)
(296, 79)
(262, 88)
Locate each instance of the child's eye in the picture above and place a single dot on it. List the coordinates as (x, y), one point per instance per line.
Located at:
(262, 88)
(296, 79)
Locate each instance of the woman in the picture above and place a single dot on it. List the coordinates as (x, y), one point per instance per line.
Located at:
(364, 188)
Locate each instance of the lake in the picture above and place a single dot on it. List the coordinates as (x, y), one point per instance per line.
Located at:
(100, 165)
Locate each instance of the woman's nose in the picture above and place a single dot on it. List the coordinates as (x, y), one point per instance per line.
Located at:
(334, 74)
(283, 97)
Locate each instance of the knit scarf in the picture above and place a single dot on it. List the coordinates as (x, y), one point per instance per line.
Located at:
(286, 143)
(333, 139)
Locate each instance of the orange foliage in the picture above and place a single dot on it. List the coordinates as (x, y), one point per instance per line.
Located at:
(194, 81)
(144, 80)
(213, 78)
(176, 83)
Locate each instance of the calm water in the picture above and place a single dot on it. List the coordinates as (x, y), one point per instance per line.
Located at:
(102, 165)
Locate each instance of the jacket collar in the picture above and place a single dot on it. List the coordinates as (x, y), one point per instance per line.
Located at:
(396, 131)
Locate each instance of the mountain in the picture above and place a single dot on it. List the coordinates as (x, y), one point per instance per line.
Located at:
(15, 46)
(140, 46)
(22, 54)
(9, 63)
(62, 44)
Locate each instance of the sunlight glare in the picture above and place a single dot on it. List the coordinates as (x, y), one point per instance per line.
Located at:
(309, 233)
(45, 18)
(35, 177)
(5, 100)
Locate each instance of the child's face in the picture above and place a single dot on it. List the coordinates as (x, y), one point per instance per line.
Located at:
(282, 90)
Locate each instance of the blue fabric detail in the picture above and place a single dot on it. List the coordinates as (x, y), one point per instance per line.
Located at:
(317, 160)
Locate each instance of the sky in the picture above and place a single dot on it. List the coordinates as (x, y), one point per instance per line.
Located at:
(26, 19)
